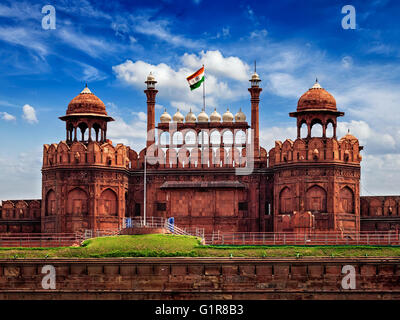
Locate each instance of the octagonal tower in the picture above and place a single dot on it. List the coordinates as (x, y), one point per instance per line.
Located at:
(317, 177)
(84, 181)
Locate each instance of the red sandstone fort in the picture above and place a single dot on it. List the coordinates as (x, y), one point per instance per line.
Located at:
(206, 171)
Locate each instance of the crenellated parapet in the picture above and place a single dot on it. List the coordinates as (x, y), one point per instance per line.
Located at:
(317, 150)
(93, 153)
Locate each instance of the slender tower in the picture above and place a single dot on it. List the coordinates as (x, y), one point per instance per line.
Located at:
(255, 91)
(151, 93)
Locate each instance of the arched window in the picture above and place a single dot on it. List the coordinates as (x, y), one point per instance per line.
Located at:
(346, 200)
(329, 129)
(83, 127)
(77, 202)
(190, 138)
(50, 203)
(286, 200)
(177, 138)
(164, 138)
(303, 130)
(316, 129)
(227, 137)
(215, 138)
(203, 137)
(108, 203)
(240, 138)
(316, 199)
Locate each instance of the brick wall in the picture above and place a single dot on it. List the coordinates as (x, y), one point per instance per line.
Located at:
(200, 278)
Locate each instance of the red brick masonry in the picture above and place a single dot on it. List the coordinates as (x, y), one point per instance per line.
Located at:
(201, 278)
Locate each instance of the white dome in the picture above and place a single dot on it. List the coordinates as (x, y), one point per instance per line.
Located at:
(165, 117)
(202, 117)
(178, 117)
(227, 116)
(215, 116)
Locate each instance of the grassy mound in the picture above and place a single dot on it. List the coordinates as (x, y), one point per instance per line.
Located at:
(163, 245)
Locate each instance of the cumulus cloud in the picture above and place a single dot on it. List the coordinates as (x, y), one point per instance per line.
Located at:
(29, 114)
(131, 133)
(7, 117)
(172, 82)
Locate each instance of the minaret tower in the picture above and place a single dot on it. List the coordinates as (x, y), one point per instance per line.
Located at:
(255, 91)
(151, 93)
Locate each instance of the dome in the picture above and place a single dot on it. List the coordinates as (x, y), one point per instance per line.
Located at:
(255, 76)
(86, 102)
(316, 98)
(202, 117)
(151, 78)
(240, 116)
(349, 137)
(190, 117)
(165, 117)
(227, 116)
(178, 117)
(215, 116)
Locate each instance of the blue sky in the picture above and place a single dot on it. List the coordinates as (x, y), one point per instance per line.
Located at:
(113, 45)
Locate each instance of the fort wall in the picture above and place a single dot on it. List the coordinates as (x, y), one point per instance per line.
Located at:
(201, 278)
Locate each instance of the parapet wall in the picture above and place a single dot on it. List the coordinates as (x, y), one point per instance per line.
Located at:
(201, 278)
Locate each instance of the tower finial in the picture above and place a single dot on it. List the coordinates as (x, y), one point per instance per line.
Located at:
(316, 80)
(255, 66)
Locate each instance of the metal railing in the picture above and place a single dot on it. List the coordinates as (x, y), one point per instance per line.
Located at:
(159, 222)
(290, 238)
(40, 240)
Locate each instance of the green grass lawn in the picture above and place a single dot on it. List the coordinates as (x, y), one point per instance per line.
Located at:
(161, 245)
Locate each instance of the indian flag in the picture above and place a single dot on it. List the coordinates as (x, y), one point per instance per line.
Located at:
(196, 79)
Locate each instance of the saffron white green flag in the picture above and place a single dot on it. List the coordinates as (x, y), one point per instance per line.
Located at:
(196, 79)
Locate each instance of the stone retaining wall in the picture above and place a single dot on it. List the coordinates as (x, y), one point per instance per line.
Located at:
(201, 278)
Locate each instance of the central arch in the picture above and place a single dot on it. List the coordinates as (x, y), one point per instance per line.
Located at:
(77, 202)
(316, 199)
(108, 203)
(286, 201)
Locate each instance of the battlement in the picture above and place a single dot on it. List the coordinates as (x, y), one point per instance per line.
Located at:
(346, 150)
(91, 153)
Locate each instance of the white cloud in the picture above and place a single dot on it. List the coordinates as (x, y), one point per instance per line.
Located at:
(259, 33)
(29, 114)
(217, 64)
(141, 115)
(132, 134)
(7, 117)
(144, 23)
(172, 82)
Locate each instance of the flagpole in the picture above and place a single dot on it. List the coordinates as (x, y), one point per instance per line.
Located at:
(204, 109)
(204, 91)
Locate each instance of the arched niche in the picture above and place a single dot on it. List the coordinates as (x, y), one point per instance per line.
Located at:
(346, 200)
(108, 204)
(316, 199)
(77, 202)
(50, 209)
(375, 207)
(286, 201)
